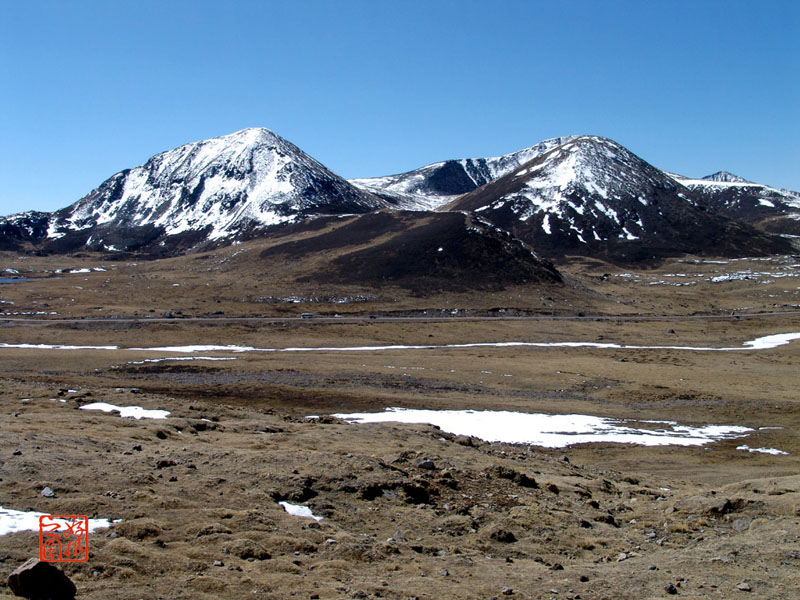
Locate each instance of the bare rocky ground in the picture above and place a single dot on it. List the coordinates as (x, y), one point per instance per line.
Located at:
(408, 510)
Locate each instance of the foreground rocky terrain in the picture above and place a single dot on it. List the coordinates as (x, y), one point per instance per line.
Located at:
(407, 510)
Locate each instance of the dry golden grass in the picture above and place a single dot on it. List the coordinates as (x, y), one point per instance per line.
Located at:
(259, 448)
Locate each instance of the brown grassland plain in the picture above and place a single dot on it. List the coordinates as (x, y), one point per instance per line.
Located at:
(197, 492)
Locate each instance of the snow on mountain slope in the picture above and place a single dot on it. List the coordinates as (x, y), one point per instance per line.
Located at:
(722, 183)
(576, 194)
(770, 208)
(591, 195)
(586, 177)
(21, 228)
(221, 186)
(434, 185)
(725, 177)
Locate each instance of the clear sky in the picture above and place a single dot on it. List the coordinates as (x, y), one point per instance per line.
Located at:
(379, 87)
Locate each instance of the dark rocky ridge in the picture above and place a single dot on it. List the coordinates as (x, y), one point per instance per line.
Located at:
(421, 251)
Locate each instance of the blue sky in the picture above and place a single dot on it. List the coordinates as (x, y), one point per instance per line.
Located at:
(373, 88)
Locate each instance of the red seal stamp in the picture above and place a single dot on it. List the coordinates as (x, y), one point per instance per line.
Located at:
(63, 538)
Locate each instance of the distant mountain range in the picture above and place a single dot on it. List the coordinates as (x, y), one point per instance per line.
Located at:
(576, 195)
(771, 209)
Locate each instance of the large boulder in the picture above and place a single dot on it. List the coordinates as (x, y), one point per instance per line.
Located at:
(38, 580)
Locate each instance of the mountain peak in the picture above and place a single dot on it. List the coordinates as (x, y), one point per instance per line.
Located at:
(248, 135)
(211, 189)
(592, 195)
(224, 149)
(596, 164)
(436, 184)
(725, 177)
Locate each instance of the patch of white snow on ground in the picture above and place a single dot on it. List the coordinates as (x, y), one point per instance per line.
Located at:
(12, 521)
(204, 348)
(772, 341)
(762, 343)
(136, 412)
(772, 451)
(551, 431)
(176, 358)
(299, 511)
(56, 347)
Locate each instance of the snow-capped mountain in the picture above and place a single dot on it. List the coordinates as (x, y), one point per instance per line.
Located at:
(725, 177)
(24, 227)
(209, 190)
(583, 195)
(439, 184)
(769, 208)
(434, 185)
(590, 195)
